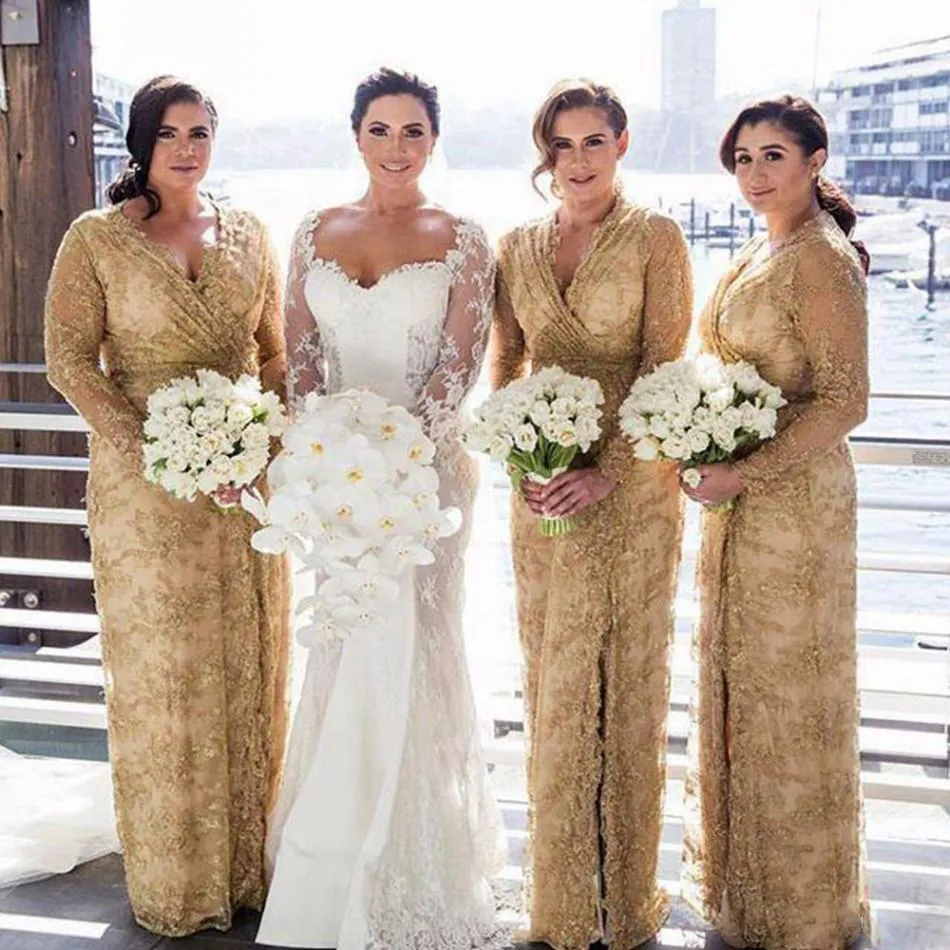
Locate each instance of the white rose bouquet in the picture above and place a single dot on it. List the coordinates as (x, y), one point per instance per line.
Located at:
(354, 495)
(537, 425)
(207, 432)
(698, 412)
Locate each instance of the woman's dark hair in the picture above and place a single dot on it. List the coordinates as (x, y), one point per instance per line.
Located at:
(146, 114)
(566, 95)
(805, 124)
(389, 82)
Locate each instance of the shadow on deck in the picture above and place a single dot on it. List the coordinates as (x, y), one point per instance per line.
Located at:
(87, 909)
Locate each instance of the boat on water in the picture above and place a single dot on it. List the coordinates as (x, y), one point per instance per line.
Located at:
(900, 247)
(917, 279)
(895, 240)
(720, 225)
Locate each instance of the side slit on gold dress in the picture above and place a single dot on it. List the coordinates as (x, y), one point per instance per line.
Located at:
(595, 607)
(773, 825)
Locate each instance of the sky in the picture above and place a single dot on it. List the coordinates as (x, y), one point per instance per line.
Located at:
(284, 59)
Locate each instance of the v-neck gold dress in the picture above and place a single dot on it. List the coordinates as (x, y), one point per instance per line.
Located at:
(773, 823)
(595, 607)
(195, 629)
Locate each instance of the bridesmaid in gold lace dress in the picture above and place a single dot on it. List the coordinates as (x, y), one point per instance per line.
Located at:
(773, 832)
(603, 288)
(194, 623)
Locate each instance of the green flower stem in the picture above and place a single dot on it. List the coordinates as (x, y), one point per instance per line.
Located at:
(555, 527)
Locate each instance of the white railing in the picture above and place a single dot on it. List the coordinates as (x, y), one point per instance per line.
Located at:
(905, 691)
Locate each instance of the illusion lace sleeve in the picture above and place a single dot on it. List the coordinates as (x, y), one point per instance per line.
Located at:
(75, 323)
(508, 360)
(667, 315)
(829, 308)
(464, 333)
(306, 361)
(272, 347)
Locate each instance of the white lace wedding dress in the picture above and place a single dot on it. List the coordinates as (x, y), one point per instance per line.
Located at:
(386, 835)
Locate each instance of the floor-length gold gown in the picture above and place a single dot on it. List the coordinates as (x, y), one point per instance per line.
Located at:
(595, 606)
(773, 839)
(195, 624)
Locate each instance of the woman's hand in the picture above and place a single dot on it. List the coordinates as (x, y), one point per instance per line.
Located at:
(720, 484)
(567, 494)
(533, 495)
(227, 495)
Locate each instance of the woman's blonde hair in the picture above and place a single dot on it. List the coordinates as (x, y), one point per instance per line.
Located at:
(566, 95)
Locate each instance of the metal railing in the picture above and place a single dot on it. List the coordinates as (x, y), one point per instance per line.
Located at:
(901, 688)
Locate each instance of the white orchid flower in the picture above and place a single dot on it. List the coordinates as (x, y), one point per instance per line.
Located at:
(357, 464)
(386, 517)
(362, 586)
(313, 439)
(272, 539)
(422, 479)
(442, 524)
(324, 627)
(291, 510)
(401, 553)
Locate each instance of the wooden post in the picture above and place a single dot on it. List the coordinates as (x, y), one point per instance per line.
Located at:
(930, 229)
(46, 179)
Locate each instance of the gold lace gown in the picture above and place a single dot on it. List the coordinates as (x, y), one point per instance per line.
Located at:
(195, 624)
(595, 606)
(773, 840)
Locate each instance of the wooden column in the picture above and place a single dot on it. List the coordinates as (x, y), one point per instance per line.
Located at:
(46, 180)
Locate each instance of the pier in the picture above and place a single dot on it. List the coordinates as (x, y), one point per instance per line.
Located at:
(60, 141)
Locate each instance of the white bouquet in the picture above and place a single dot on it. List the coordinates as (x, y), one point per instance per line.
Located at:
(537, 425)
(207, 432)
(354, 495)
(697, 412)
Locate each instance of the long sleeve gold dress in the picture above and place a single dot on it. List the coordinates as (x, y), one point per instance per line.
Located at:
(595, 606)
(773, 840)
(195, 624)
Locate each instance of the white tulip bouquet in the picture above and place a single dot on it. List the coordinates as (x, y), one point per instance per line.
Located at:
(537, 425)
(207, 432)
(698, 412)
(354, 495)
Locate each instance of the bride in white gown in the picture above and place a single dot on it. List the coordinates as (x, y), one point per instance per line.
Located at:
(386, 835)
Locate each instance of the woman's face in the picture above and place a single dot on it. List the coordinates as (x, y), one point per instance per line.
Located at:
(586, 153)
(183, 148)
(396, 139)
(772, 170)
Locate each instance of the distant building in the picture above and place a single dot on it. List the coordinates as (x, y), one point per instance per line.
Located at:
(688, 86)
(889, 121)
(689, 59)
